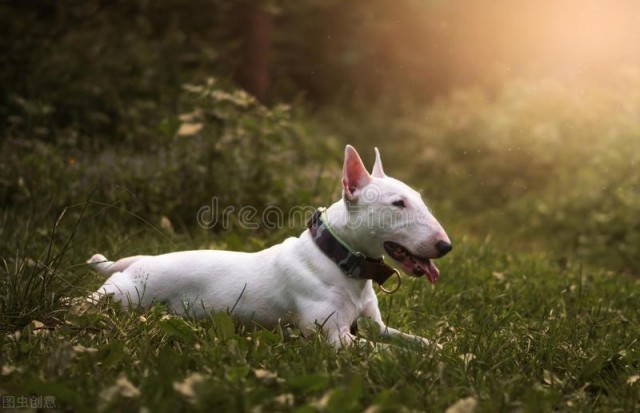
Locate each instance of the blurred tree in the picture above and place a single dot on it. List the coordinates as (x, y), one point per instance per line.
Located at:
(93, 71)
(114, 69)
(255, 30)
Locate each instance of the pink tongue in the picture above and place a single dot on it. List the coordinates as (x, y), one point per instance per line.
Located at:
(430, 270)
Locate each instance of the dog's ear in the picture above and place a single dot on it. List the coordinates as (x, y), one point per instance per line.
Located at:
(354, 174)
(377, 170)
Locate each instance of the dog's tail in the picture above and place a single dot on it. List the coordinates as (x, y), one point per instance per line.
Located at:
(101, 264)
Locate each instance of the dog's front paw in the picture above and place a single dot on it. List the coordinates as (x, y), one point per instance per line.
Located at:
(427, 343)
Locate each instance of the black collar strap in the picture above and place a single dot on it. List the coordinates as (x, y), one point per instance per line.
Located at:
(352, 263)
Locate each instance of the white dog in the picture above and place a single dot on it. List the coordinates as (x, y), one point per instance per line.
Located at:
(322, 278)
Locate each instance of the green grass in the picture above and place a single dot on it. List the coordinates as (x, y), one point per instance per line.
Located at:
(519, 333)
(536, 309)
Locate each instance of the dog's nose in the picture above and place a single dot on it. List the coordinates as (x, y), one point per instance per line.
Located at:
(443, 248)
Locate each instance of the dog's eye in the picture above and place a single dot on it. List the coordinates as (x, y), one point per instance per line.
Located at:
(399, 203)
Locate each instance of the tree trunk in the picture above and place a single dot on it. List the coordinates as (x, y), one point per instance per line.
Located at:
(256, 32)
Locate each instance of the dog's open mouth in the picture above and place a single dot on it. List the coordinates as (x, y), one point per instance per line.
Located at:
(412, 264)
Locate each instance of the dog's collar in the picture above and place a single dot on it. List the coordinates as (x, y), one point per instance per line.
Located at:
(353, 264)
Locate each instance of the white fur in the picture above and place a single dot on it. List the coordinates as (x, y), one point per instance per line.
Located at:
(292, 282)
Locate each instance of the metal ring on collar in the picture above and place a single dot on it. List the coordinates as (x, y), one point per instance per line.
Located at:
(384, 290)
